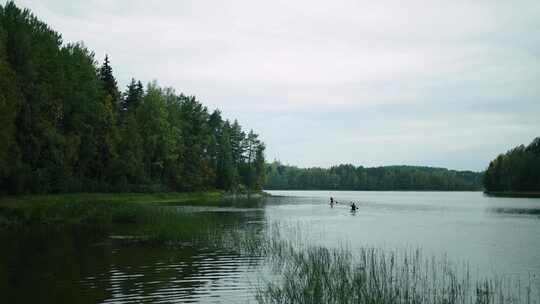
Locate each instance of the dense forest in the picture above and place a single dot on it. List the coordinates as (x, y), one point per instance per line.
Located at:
(349, 177)
(517, 170)
(67, 127)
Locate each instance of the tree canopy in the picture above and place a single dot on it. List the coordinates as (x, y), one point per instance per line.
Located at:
(516, 170)
(349, 177)
(67, 127)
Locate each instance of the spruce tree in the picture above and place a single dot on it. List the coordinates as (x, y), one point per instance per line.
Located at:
(132, 97)
(109, 82)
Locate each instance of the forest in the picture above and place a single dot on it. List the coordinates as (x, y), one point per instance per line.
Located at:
(516, 170)
(349, 177)
(68, 127)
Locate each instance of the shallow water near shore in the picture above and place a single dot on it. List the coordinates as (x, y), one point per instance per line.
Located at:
(496, 236)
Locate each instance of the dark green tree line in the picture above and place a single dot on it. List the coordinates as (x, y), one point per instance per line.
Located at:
(349, 177)
(67, 127)
(516, 170)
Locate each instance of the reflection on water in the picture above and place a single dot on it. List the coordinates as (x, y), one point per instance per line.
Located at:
(77, 266)
(496, 235)
(520, 211)
(182, 275)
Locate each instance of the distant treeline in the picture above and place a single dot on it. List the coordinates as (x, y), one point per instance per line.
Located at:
(349, 177)
(65, 126)
(517, 170)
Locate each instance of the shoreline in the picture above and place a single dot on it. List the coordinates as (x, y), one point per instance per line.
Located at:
(128, 197)
(380, 190)
(515, 194)
(105, 209)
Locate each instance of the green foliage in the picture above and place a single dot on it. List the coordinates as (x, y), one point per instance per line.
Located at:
(150, 220)
(9, 107)
(517, 170)
(349, 177)
(108, 81)
(132, 97)
(67, 128)
(154, 130)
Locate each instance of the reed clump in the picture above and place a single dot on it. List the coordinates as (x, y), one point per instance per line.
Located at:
(314, 274)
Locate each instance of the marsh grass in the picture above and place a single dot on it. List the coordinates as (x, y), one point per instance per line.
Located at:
(314, 274)
(144, 214)
(146, 198)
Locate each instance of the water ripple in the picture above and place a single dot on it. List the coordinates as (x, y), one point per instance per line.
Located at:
(209, 277)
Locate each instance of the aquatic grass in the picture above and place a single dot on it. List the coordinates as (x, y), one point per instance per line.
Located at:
(315, 274)
(147, 198)
(98, 208)
(145, 221)
(73, 213)
(173, 226)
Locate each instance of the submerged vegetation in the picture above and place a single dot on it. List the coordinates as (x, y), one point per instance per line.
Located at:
(515, 173)
(349, 177)
(67, 127)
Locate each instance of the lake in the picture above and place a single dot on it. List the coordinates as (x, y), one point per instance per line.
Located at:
(496, 236)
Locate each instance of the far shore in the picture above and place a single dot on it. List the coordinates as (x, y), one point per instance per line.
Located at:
(522, 194)
(381, 190)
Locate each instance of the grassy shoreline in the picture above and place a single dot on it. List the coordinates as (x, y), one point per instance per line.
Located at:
(145, 214)
(145, 217)
(167, 197)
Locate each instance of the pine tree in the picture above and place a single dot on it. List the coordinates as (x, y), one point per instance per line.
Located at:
(259, 167)
(109, 82)
(196, 138)
(133, 96)
(237, 142)
(215, 125)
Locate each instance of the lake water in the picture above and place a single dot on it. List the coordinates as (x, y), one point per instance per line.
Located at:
(496, 236)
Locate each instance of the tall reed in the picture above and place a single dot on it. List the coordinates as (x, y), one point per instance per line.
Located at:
(315, 274)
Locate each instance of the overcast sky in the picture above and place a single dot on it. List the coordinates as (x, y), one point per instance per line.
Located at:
(438, 83)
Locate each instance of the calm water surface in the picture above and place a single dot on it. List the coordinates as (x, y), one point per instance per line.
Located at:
(495, 235)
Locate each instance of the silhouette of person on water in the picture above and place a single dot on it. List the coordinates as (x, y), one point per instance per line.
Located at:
(332, 202)
(353, 207)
